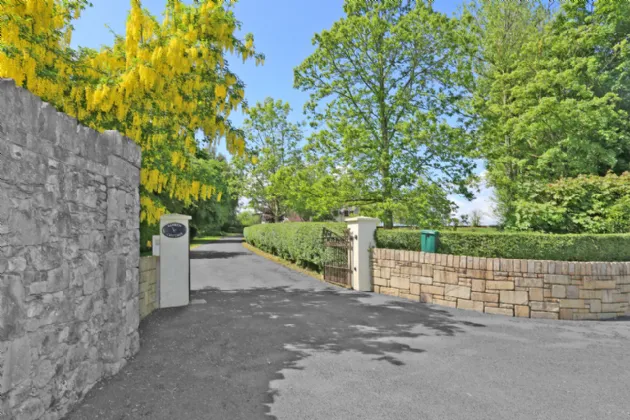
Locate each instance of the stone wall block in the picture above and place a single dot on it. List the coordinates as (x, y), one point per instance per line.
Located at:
(485, 297)
(499, 285)
(515, 298)
(545, 306)
(448, 277)
(478, 285)
(462, 292)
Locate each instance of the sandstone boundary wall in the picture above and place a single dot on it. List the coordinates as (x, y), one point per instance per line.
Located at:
(149, 272)
(521, 288)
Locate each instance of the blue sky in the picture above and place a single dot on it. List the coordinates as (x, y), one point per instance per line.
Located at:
(283, 30)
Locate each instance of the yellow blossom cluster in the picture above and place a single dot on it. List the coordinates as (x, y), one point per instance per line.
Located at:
(164, 84)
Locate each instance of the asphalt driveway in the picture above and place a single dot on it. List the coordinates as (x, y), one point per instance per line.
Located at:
(266, 342)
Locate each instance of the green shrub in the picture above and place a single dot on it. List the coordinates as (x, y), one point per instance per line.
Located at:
(300, 243)
(585, 204)
(517, 245)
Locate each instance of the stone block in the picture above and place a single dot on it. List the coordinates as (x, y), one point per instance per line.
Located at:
(515, 298)
(544, 315)
(605, 284)
(567, 313)
(528, 282)
(478, 285)
(465, 282)
(590, 294)
(485, 297)
(558, 291)
(399, 282)
(499, 311)
(609, 296)
(462, 292)
(447, 277)
(595, 305)
(572, 303)
(148, 263)
(586, 316)
(434, 290)
(614, 307)
(377, 281)
(16, 366)
(557, 279)
(115, 271)
(409, 296)
(422, 280)
(415, 289)
(536, 294)
(545, 306)
(499, 285)
(521, 311)
(573, 292)
(470, 305)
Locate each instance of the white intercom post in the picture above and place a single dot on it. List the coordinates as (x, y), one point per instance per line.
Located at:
(174, 260)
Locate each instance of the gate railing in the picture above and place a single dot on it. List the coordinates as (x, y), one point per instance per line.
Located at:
(338, 257)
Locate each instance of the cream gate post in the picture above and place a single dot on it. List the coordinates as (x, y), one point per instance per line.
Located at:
(362, 229)
(174, 261)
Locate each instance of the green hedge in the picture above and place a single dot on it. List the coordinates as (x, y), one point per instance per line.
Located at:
(300, 243)
(534, 246)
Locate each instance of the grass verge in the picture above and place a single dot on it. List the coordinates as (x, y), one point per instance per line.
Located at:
(202, 240)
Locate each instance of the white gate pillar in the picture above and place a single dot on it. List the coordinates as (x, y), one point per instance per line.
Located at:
(174, 261)
(362, 229)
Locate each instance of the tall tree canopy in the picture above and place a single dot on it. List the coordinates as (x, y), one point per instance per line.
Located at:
(161, 84)
(385, 84)
(551, 88)
(272, 156)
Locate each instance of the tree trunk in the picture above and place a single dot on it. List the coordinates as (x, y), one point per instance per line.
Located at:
(388, 223)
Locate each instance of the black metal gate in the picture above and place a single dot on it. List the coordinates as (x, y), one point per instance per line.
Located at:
(338, 257)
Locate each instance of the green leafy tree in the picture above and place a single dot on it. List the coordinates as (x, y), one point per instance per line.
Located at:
(551, 89)
(475, 218)
(272, 155)
(248, 218)
(585, 204)
(208, 216)
(383, 81)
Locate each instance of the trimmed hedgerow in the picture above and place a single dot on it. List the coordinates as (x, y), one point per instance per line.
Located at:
(300, 243)
(517, 245)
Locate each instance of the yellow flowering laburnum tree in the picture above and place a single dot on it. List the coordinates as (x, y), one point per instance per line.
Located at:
(162, 84)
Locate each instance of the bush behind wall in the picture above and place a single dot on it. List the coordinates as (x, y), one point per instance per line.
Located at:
(517, 245)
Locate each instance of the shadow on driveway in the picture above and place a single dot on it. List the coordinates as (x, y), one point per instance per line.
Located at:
(209, 255)
(216, 360)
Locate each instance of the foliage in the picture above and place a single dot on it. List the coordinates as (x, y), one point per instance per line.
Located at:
(515, 245)
(248, 218)
(551, 90)
(272, 157)
(586, 204)
(383, 80)
(209, 216)
(475, 218)
(297, 242)
(161, 84)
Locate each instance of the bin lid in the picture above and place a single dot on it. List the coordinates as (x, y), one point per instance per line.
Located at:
(429, 232)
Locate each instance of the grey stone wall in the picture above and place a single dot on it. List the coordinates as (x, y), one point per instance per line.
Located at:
(69, 220)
